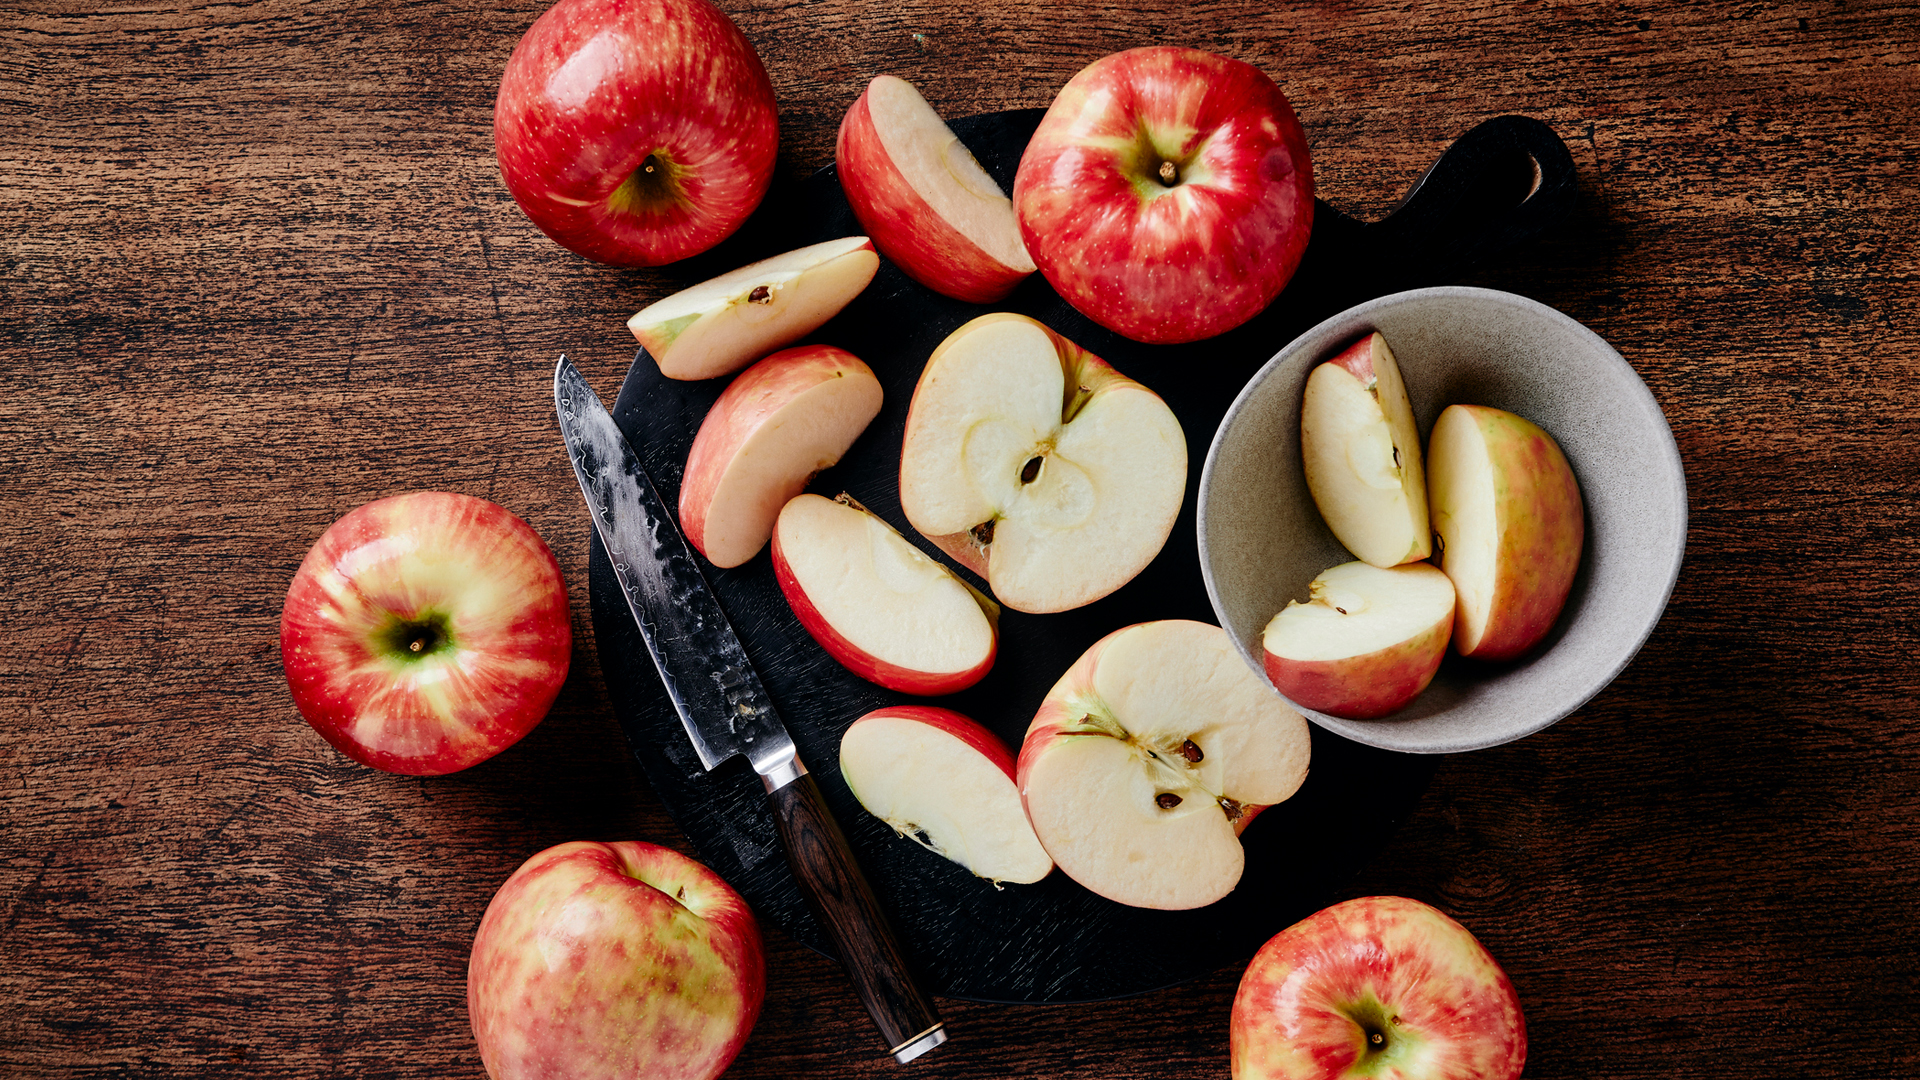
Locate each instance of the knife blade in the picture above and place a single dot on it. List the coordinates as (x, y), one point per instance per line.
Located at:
(726, 711)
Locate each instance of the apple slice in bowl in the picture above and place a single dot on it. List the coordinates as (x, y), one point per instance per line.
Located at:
(946, 782)
(1360, 448)
(878, 605)
(1365, 643)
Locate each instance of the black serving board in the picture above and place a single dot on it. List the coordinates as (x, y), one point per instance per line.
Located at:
(1501, 184)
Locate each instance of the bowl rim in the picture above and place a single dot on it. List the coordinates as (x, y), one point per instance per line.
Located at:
(1374, 733)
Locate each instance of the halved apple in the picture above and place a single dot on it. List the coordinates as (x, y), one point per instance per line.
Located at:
(723, 324)
(887, 612)
(1365, 643)
(925, 200)
(1038, 466)
(1361, 451)
(945, 782)
(773, 428)
(1507, 510)
(1148, 758)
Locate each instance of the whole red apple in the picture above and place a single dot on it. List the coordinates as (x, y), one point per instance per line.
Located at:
(426, 632)
(636, 132)
(1167, 194)
(1381, 986)
(622, 960)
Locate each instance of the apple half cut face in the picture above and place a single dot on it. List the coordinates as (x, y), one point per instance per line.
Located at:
(1361, 451)
(721, 325)
(772, 429)
(925, 200)
(1038, 466)
(1365, 643)
(878, 605)
(1379, 986)
(1507, 510)
(944, 781)
(1148, 758)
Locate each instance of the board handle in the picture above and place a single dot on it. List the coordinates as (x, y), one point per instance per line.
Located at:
(1503, 183)
(844, 903)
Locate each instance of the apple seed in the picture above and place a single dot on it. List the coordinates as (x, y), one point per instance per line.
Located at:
(1191, 751)
(763, 295)
(1031, 471)
(1166, 800)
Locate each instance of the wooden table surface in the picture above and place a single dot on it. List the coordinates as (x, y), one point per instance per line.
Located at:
(259, 268)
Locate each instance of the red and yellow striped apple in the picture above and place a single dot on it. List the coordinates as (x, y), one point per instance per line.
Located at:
(1365, 643)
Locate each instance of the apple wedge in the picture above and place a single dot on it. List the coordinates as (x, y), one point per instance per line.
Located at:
(1038, 466)
(1365, 643)
(773, 428)
(927, 203)
(1507, 511)
(945, 782)
(1148, 758)
(887, 612)
(1361, 451)
(723, 324)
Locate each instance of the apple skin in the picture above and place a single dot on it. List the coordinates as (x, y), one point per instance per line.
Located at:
(1541, 532)
(751, 405)
(865, 664)
(627, 960)
(470, 581)
(599, 90)
(1155, 263)
(1313, 996)
(904, 227)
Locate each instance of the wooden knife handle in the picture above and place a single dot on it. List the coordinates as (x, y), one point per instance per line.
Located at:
(838, 892)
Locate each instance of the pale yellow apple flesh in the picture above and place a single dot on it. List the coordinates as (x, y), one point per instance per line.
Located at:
(1361, 452)
(1038, 466)
(723, 324)
(1367, 641)
(877, 603)
(1148, 757)
(1511, 525)
(936, 788)
(776, 425)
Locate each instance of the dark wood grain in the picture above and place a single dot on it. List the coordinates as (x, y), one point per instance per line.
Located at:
(258, 268)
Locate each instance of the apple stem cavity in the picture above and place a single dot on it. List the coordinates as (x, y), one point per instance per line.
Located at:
(653, 187)
(419, 637)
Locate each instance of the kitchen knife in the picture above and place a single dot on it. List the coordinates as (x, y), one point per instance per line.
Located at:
(726, 711)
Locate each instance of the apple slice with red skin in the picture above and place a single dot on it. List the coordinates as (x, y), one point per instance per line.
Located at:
(636, 133)
(723, 324)
(424, 633)
(1507, 510)
(878, 605)
(1361, 452)
(925, 200)
(1038, 466)
(617, 960)
(944, 781)
(1167, 194)
(1365, 643)
(1150, 756)
(772, 429)
(1379, 986)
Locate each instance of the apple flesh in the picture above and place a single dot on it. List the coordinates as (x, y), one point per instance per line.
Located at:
(942, 780)
(424, 633)
(1167, 194)
(1365, 643)
(1148, 758)
(615, 961)
(721, 325)
(1507, 510)
(1038, 466)
(925, 200)
(1361, 451)
(885, 611)
(772, 429)
(1380, 986)
(636, 133)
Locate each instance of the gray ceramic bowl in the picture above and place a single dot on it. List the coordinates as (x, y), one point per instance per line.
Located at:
(1262, 541)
